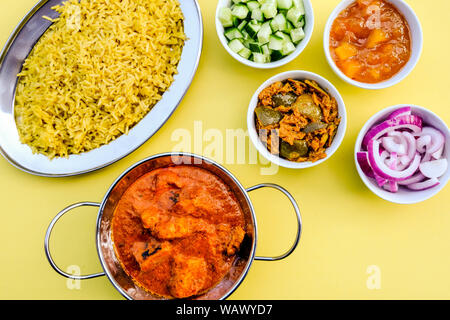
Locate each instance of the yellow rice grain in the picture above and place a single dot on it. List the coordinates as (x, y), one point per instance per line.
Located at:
(96, 72)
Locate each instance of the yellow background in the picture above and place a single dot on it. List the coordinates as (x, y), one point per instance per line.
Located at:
(346, 227)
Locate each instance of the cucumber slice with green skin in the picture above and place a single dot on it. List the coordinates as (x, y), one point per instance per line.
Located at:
(257, 15)
(299, 4)
(239, 1)
(288, 28)
(276, 55)
(236, 21)
(284, 4)
(294, 15)
(269, 9)
(240, 11)
(233, 33)
(275, 42)
(297, 35)
(259, 57)
(278, 22)
(266, 50)
(246, 43)
(252, 5)
(264, 33)
(252, 28)
(261, 2)
(283, 12)
(242, 25)
(225, 17)
(255, 47)
(288, 48)
(301, 23)
(236, 45)
(246, 35)
(284, 36)
(245, 53)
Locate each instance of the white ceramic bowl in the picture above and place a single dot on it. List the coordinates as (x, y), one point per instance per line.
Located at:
(405, 196)
(297, 75)
(309, 27)
(416, 45)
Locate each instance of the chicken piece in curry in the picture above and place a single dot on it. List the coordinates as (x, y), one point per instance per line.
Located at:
(177, 230)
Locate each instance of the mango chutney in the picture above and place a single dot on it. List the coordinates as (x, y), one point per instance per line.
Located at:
(370, 41)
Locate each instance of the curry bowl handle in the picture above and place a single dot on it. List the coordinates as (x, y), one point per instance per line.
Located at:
(297, 212)
(47, 240)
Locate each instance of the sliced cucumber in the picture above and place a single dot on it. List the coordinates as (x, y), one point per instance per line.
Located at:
(257, 15)
(242, 25)
(288, 28)
(299, 4)
(301, 23)
(252, 5)
(246, 43)
(269, 9)
(294, 15)
(236, 21)
(245, 53)
(252, 28)
(288, 48)
(276, 55)
(233, 33)
(263, 30)
(264, 33)
(259, 57)
(275, 42)
(297, 35)
(240, 11)
(236, 45)
(278, 22)
(284, 4)
(283, 36)
(225, 17)
(255, 47)
(266, 50)
(245, 35)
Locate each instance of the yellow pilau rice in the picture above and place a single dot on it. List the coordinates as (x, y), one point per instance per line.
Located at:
(97, 71)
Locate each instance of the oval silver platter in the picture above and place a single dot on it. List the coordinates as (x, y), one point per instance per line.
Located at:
(16, 50)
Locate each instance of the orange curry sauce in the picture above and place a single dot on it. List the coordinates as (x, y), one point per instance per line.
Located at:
(177, 230)
(370, 41)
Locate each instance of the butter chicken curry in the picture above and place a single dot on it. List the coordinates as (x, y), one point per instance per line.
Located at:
(176, 231)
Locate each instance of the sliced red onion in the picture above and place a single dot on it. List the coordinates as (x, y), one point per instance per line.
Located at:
(390, 145)
(418, 177)
(437, 139)
(427, 184)
(405, 160)
(411, 122)
(411, 145)
(363, 161)
(380, 168)
(434, 169)
(398, 137)
(426, 157)
(404, 111)
(401, 152)
(423, 142)
(438, 154)
(380, 180)
(393, 161)
(384, 155)
(392, 186)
